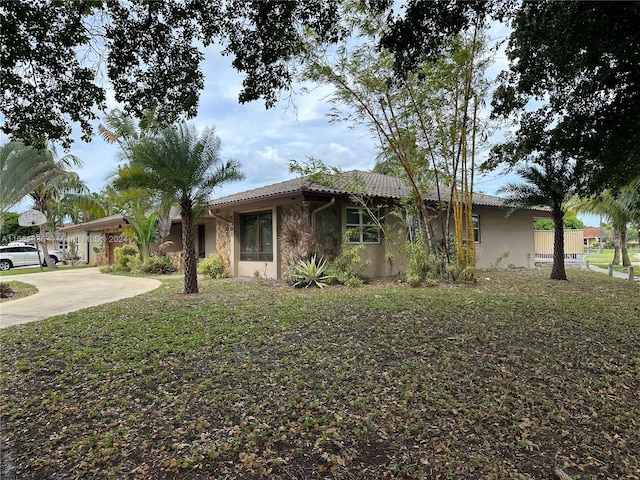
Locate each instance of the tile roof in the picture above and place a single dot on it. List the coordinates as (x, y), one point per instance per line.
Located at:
(592, 232)
(370, 183)
(109, 221)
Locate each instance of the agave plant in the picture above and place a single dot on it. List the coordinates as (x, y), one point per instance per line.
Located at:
(311, 272)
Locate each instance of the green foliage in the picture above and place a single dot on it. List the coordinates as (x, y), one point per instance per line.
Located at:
(311, 272)
(595, 108)
(71, 255)
(348, 268)
(157, 265)
(423, 266)
(214, 266)
(126, 260)
(11, 231)
(53, 41)
(142, 229)
(570, 223)
(183, 166)
(460, 273)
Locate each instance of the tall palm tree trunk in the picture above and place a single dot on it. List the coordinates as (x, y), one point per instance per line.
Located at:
(626, 261)
(558, 272)
(189, 251)
(45, 250)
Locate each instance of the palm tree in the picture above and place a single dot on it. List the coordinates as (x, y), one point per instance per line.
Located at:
(40, 175)
(549, 183)
(619, 210)
(128, 134)
(184, 167)
(54, 198)
(22, 169)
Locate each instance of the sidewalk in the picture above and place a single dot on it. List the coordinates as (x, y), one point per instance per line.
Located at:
(622, 275)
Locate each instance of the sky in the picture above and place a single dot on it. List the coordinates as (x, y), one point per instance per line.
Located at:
(264, 141)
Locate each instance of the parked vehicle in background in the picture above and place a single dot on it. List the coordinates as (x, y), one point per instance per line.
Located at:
(21, 254)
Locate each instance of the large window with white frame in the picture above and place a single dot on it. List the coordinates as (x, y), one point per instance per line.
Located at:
(361, 226)
(256, 237)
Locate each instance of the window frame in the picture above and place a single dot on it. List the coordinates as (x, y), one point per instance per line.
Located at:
(201, 233)
(361, 226)
(258, 255)
(475, 219)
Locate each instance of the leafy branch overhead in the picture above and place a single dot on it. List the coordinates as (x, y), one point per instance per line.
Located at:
(59, 58)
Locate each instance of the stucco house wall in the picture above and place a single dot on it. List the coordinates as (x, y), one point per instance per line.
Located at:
(504, 240)
(103, 234)
(86, 241)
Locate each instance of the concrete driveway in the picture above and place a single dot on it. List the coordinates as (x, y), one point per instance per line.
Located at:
(65, 290)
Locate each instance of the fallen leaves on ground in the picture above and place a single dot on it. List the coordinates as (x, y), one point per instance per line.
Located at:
(511, 378)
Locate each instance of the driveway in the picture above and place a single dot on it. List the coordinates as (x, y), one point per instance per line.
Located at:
(64, 290)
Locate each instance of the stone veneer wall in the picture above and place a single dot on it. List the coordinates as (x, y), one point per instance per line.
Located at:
(294, 218)
(223, 237)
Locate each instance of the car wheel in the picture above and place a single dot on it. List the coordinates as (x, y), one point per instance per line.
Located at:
(55, 259)
(5, 265)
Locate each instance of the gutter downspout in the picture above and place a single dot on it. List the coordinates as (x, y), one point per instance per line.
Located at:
(318, 210)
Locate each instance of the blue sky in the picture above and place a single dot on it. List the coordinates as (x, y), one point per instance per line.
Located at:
(265, 141)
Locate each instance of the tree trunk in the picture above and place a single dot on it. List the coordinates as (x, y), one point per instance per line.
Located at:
(45, 250)
(189, 251)
(558, 272)
(616, 251)
(626, 262)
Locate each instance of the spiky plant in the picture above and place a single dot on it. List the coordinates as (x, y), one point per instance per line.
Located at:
(311, 272)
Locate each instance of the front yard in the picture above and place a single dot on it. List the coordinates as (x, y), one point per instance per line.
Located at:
(511, 378)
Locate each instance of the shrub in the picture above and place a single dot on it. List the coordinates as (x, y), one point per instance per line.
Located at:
(157, 265)
(214, 266)
(423, 267)
(347, 268)
(126, 258)
(310, 272)
(5, 290)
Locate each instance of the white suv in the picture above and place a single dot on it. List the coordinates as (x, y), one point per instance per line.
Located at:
(21, 254)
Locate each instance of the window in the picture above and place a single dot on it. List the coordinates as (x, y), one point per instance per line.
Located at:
(201, 241)
(256, 237)
(361, 227)
(476, 228)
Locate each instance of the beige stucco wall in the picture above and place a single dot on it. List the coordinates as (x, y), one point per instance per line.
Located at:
(506, 237)
(209, 236)
(86, 241)
(386, 258)
(175, 236)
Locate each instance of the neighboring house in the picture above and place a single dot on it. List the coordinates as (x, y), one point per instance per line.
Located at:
(96, 240)
(591, 237)
(251, 225)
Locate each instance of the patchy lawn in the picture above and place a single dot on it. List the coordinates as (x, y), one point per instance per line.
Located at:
(20, 290)
(511, 378)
